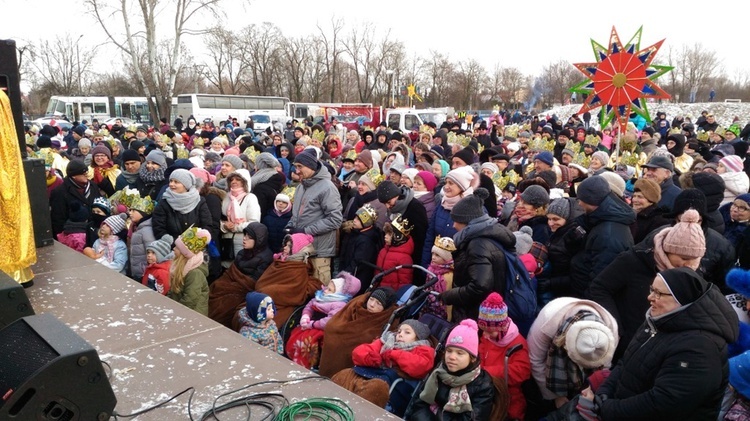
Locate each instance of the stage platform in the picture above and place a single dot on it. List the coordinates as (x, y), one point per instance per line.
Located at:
(157, 347)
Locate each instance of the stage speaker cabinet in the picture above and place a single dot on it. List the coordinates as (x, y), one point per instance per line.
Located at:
(14, 303)
(36, 183)
(48, 372)
(10, 82)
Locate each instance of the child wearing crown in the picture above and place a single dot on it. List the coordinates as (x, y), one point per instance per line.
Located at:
(441, 265)
(397, 251)
(361, 247)
(141, 234)
(187, 277)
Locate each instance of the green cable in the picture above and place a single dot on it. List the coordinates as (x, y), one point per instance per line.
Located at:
(316, 409)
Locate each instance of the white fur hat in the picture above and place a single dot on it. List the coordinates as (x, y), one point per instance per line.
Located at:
(590, 344)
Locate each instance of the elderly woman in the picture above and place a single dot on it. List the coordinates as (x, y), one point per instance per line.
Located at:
(239, 209)
(649, 216)
(675, 368)
(103, 172)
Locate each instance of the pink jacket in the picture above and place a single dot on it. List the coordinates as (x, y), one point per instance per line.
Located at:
(75, 240)
(329, 308)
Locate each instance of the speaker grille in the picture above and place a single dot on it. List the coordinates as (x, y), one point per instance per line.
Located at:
(22, 353)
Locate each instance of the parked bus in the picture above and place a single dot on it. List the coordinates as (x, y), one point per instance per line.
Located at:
(219, 107)
(100, 107)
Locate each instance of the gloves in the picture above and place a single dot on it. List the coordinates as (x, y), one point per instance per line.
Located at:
(305, 323)
(293, 230)
(587, 409)
(346, 226)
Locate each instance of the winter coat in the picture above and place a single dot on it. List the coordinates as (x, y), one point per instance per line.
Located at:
(194, 294)
(266, 192)
(479, 267)
(415, 363)
(675, 368)
(143, 235)
(317, 211)
(369, 198)
(358, 253)
(648, 220)
(545, 328)
(276, 224)
(166, 220)
(156, 276)
(327, 308)
(417, 216)
(254, 262)
(608, 234)
(440, 224)
(481, 392)
(248, 209)
(214, 198)
(74, 235)
(492, 357)
(540, 230)
(490, 203)
(392, 256)
(669, 192)
(735, 184)
(428, 201)
(61, 198)
(733, 231)
(266, 336)
(118, 261)
(563, 244)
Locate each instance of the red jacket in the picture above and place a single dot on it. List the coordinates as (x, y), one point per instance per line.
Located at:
(492, 359)
(157, 276)
(416, 363)
(390, 257)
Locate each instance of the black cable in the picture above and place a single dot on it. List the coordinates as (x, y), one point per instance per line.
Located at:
(151, 408)
(109, 375)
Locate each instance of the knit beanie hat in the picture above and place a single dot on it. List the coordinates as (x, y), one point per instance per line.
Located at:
(600, 156)
(266, 161)
(134, 145)
(387, 190)
(421, 329)
(545, 157)
(385, 295)
(524, 240)
(464, 177)
(560, 207)
(466, 155)
(490, 166)
(430, 182)
(281, 197)
(410, 173)
(157, 157)
(739, 373)
(300, 241)
(689, 199)
(367, 181)
(101, 149)
(615, 181)
(44, 141)
(535, 196)
(465, 336)
(590, 344)
(346, 284)
(234, 161)
(184, 177)
(684, 284)
(366, 158)
(76, 167)
(686, 237)
(192, 241)
(161, 247)
(593, 190)
(203, 175)
(256, 305)
(444, 247)
(307, 158)
(732, 163)
(493, 314)
(77, 212)
(712, 186)
(212, 156)
(569, 152)
(103, 205)
(116, 222)
(649, 189)
(470, 207)
(84, 143)
(130, 155)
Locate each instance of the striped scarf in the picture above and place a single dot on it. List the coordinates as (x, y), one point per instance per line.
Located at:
(564, 377)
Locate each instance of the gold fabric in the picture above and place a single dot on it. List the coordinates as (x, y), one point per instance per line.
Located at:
(17, 249)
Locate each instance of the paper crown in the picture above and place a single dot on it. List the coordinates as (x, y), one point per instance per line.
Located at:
(111, 140)
(144, 205)
(675, 130)
(628, 158)
(318, 135)
(351, 155)
(289, 191)
(540, 144)
(582, 160)
(401, 224)
(445, 243)
(720, 131)
(251, 153)
(166, 139)
(367, 215)
(592, 140)
(47, 155)
(512, 130)
(198, 142)
(501, 180)
(460, 139)
(702, 135)
(193, 241)
(426, 129)
(628, 142)
(375, 176)
(133, 128)
(124, 197)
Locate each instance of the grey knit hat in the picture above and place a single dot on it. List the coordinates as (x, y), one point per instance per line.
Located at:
(184, 177)
(161, 247)
(234, 160)
(307, 158)
(421, 329)
(266, 160)
(593, 190)
(535, 196)
(156, 156)
(560, 207)
(470, 207)
(116, 222)
(84, 143)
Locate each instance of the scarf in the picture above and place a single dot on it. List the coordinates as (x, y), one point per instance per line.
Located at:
(261, 176)
(660, 257)
(418, 194)
(51, 178)
(505, 340)
(182, 202)
(130, 177)
(84, 190)
(458, 398)
(102, 171)
(191, 264)
(401, 204)
(449, 202)
(389, 342)
(330, 298)
(565, 377)
(236, 197)
(109, 243)
(152, 177)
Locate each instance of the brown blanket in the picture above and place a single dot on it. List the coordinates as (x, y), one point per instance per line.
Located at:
(373, 390)
(351, 326)
(289, 284)
(227, 293)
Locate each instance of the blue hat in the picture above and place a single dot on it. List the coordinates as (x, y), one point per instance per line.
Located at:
(256, 305)
(546, 157)
(739, 373)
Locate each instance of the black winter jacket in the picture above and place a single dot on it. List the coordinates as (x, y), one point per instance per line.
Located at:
(675, 368)
(61, 198)
(266, 192)
(481, 392)
(563, 244)
(168, 221)
(254, 262)
(648, 220)
(359, 253)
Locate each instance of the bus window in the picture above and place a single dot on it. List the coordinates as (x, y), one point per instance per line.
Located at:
(100, 108)
(51, 107)
(411, 121)
(61, 109)
(222, 102)
(251, 104)
(187, 99)
(206, 102)
(394, 121)
(237, 103)
(87, 108)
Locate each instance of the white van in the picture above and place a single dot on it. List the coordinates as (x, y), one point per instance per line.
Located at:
(403, 119)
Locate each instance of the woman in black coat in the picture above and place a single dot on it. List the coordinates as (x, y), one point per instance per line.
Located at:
(267, 181)
(675, 368)
(566, 240)
(254, 261)
(181, 207)
(648, 216)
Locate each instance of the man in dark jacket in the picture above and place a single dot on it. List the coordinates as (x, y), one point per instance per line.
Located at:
(660, 168)
(675, 368)
(606, 220)
(75, 187)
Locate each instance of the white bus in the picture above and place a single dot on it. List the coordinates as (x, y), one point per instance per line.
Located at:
(218, 108)
(99, 107)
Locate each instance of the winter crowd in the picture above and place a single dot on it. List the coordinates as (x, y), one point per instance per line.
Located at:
(633, 243)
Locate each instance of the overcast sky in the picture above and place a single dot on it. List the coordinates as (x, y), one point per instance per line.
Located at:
(522, 34)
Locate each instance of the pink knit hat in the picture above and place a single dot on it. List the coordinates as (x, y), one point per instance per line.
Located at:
(429, 179)
(299, 241)
(204, 175)
(732, 163)
(686, 238)
(465, 336)
(465, 177)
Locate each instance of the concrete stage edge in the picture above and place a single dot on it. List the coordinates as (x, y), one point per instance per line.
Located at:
(157, 347)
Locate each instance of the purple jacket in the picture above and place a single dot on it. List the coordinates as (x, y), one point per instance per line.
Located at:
(328, 308)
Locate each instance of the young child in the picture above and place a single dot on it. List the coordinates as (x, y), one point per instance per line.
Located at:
(187, 275)
(109, 249)
(499, 334)
(524, 241)
(380, 299)
(406, 353)
(257, 322)
(736, 404)
(305, 341)
(141, 234)
(74, 230)
(397, 251)
(276, 219)
(458, 388)
(361, 247)
(158, 262)
(296, 247)
(101, 209)
(442, 266)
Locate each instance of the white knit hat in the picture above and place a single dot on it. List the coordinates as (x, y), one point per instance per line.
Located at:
(590, 344)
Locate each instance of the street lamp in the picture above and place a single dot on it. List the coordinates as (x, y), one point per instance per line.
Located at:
(390, 72)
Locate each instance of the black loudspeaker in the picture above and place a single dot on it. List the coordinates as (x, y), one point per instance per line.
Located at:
(10, 83)
(14, 303)
(36, 183)
(48, 372)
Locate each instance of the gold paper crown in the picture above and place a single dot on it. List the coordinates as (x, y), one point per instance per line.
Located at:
(540, 144)
(445, 243)
(526, 127)
(501, 181)
(628, 142)
(375, 176)
(460, 139)
(582, 160)
(720, 131)
(30, 139)
(198, 142)
(166, 139)
(144, 205)
(111, 141)
(426, 129)
(401, 224)
(223, 139)
(103, 132)
(675, 130)
(289, 191)
(251, 153)
(512, 130)
(366, 128)
(133, 128)
(124, 197)
(47, 155)
(352, 154)
(319, 135)
(193, 241)
(592, 140)
(367, 215)
(702, 135)
(628, 158)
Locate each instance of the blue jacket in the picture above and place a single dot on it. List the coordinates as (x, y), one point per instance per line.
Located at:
(440, 224)
(276, 224)
(669, 192)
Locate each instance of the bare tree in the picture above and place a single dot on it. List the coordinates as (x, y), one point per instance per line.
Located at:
(439, 73)
(696, 67)
(557, 78)
(370, 58)
(469, 77)
(66, 71)
(227, 57)
(294, 59)
(332, 52)
(261, 46)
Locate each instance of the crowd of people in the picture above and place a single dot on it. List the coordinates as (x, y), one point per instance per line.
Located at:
(635, 242)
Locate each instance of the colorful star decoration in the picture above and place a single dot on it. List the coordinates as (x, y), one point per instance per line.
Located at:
(621, 80)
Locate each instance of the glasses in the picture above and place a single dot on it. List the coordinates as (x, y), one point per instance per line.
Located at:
(740, 208)
(658, 294)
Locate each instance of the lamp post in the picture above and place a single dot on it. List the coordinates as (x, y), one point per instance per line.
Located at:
(390, 72)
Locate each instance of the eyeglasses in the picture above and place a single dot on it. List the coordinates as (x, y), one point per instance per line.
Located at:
(658, 294)
(740, 207)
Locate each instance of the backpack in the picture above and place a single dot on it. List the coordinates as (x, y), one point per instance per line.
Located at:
(520, 293)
